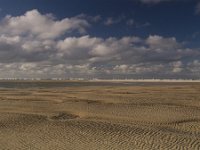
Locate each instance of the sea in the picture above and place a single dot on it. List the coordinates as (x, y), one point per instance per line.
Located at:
(60, 84)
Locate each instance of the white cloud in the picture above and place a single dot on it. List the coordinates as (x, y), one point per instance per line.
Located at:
(33, 23)
(194, 67)
(87, 55)
(95, 47)
(37, 45)
(9, 40)
(27, 66)
(159, 43)
(177, 66)
(40, 48)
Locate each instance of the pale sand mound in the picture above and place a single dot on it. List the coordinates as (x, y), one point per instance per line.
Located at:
(156, 117)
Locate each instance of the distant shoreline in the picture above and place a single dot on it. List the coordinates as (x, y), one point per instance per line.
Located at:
(97, 80)
(152, 80)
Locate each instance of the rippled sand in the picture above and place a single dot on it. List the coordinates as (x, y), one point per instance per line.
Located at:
(163, 116)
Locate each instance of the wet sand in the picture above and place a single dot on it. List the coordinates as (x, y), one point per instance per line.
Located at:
(159, 116)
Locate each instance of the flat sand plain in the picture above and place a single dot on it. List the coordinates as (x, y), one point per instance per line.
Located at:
(161, 116)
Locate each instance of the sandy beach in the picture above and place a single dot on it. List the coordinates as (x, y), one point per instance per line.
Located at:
(161, 116)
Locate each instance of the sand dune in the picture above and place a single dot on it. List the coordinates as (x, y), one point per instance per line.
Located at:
(161, 116)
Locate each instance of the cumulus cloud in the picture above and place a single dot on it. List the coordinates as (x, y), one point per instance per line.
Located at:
(33, 23)
(43, 48)
(158, 43)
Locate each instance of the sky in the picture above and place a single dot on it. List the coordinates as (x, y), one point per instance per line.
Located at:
(107, 39)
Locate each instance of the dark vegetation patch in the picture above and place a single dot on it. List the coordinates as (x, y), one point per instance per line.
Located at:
(62, 116)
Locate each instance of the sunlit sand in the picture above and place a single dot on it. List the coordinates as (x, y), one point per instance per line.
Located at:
(126, 117)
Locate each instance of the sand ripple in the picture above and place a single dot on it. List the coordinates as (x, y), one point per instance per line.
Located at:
(96, 118)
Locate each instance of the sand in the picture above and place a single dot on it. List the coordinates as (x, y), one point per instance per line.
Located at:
(163, 116)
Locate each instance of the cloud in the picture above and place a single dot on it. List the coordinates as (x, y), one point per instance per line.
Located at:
(194, 67)
(159, 43)
(94, 19)
(33, 23)
(110, 20)
(177, 66)
(85, 55)
(136, 24)
(46, 48)
(125, 21)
